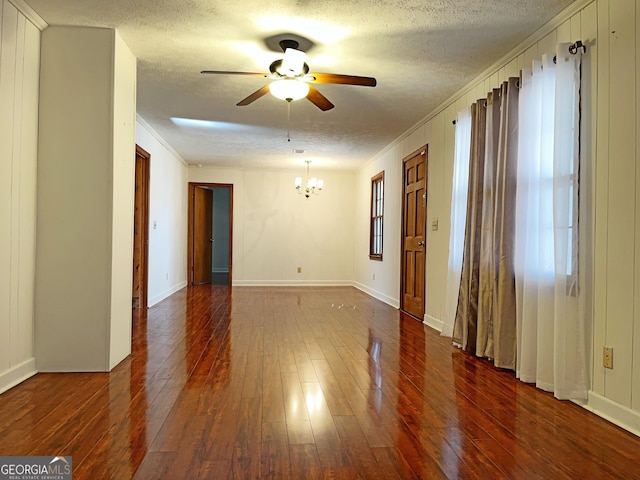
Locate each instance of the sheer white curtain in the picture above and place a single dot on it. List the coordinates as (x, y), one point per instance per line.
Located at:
(458, 216)
(551, 317)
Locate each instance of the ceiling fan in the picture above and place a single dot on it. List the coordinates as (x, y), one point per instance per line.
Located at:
(292, 80)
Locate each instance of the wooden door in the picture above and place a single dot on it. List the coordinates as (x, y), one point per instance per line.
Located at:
(141, 230)
(414, 203)
(202, 235)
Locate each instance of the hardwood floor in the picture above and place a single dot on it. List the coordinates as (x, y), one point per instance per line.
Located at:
(303, 383)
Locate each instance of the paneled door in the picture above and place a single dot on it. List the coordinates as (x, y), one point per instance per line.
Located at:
(202, 235)
(141, 230)
(414, 203)
(203, 213)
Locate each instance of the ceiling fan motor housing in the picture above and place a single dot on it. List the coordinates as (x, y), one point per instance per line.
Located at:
(276, 67)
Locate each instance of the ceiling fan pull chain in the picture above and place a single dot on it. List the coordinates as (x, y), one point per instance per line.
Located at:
(288, 120)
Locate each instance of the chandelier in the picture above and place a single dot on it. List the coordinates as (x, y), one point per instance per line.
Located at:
(312, 186)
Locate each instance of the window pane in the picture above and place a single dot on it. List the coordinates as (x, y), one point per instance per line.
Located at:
(376, 216)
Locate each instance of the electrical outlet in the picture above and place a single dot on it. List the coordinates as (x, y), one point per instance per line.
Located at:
(374, 276)
(299, 269)
(607, 357)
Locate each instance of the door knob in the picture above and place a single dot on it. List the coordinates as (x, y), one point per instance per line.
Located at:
(421, 244)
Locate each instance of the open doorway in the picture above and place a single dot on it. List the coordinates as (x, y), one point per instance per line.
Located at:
(210, 233)
(141, 230)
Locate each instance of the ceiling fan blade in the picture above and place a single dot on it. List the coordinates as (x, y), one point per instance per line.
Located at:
(342, 79)
(318, 99)
(254, 96)
(217, 72)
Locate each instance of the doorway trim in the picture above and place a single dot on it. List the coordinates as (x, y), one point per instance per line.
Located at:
(190, 227)
(421, 151)
(141, 216)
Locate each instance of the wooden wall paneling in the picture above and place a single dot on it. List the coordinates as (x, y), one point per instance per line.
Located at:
(8, 31)
(480, 87)
(635, 366)
(444, 222)
(601, 196)
(530, 54)
(547, 44)
(521, 62)
(563, 32)
(434, 287)
(16, 142)
(19, 83)
(471, 96)
(511, 69)
(480, 92)
(576, 26)
(588, 33)
(27, 218)
(621, 201)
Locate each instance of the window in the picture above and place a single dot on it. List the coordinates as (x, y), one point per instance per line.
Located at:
(548, 174)
(377, 211)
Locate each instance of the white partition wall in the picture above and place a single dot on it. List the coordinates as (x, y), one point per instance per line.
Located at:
(86, 157)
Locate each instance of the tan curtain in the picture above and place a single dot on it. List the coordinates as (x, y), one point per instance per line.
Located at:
(487, 278)
(504, 331)
(464, 328)
(485, 321)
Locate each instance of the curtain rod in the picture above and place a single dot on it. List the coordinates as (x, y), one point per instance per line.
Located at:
(573, 49)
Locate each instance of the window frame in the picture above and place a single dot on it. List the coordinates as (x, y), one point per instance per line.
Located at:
(376, 217)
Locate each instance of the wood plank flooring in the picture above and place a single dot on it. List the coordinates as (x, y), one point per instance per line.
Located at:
(303, 383)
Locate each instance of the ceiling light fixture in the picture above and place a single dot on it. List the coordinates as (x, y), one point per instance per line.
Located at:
(288, 89)
(313, 185)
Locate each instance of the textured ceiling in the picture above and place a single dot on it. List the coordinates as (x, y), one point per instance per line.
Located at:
(420, 51)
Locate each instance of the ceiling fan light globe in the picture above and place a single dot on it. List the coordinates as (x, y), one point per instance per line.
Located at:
(289, 89)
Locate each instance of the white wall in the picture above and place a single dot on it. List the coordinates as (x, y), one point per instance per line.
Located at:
(167, 215)
(86, 155)
(275, 230)
(123, 192)
(19, 70)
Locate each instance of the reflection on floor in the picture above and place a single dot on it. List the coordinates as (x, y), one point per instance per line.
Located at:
(279, 382)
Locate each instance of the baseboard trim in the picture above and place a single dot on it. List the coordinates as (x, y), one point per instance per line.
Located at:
(394, 302)
(433, 322)
(291, 283)
(615, 413)
(161, 296)
(17, 374)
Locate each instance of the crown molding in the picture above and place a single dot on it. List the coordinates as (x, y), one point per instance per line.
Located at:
(30, 13)
(157, 136)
